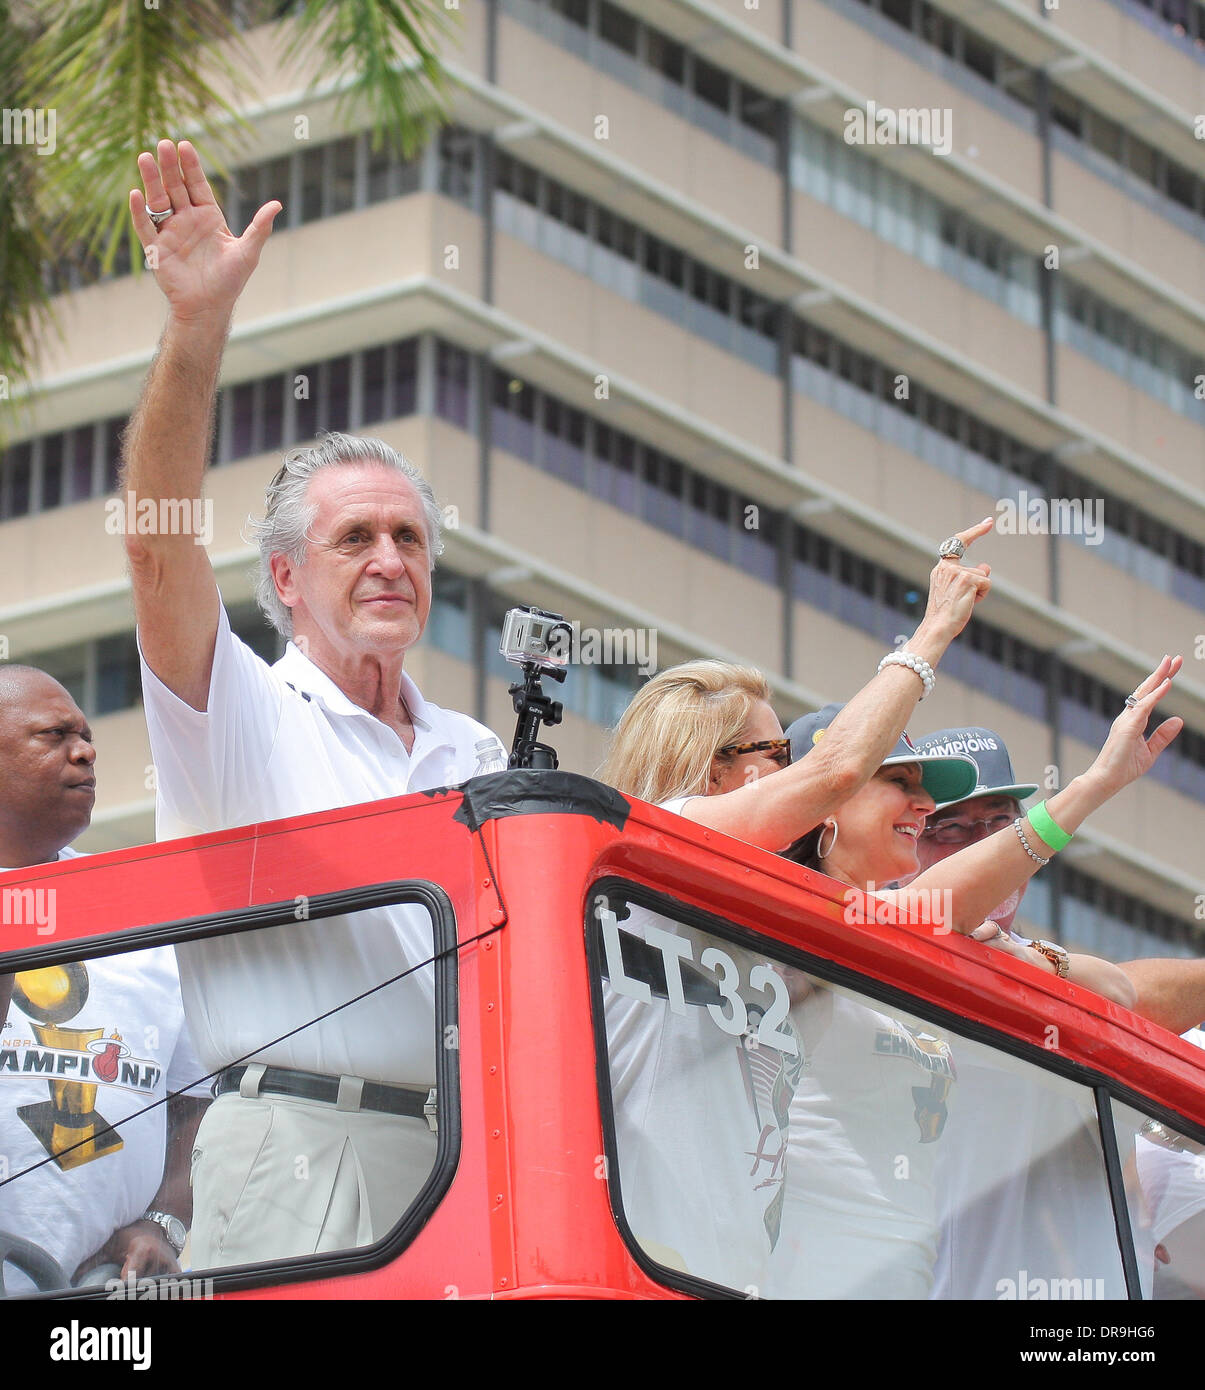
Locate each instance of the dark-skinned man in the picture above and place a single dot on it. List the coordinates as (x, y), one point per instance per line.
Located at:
(88, 1198)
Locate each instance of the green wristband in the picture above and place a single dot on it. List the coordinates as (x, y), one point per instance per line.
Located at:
(1043, 822)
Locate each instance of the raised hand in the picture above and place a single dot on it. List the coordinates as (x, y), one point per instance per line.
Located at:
(201, 266)
(955, 588)
(1127, 753)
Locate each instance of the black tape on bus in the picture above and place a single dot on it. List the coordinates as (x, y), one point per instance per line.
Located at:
(528, 792)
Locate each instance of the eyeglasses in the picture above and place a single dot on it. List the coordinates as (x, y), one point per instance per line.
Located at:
(960, 832)
(778, 748)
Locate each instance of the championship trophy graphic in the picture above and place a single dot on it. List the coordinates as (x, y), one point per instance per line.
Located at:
(66, 1125)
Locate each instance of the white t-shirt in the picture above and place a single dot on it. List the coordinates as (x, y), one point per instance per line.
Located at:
(134, 1048)
(699, 1142)
(1023, 1195)
(1172, 1182)
(283, 741)
(867, 1117)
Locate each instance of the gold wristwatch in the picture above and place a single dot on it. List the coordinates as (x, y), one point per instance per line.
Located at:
(1055, 954)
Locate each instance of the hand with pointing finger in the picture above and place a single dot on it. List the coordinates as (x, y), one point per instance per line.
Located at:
(955, 588)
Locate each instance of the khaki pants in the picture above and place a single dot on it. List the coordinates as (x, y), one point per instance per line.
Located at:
(274, 1176)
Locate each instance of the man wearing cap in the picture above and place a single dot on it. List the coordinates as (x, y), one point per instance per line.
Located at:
(1168, 991)
(1022, 1168)
(993, 805)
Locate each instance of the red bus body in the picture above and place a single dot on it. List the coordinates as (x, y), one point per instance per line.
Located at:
(528, 1213)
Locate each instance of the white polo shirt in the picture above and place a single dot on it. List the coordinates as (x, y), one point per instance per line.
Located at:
(283, 741)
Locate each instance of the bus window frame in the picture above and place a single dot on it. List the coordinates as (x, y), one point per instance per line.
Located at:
(1104, 1089)
(445, 947)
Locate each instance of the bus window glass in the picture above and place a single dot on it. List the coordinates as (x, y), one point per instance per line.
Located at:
(784, 1137)
(303, 1115)
(1164, 1174)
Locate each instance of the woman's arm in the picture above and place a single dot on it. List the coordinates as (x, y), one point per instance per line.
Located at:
(985, 873)
(1100, 976)
(775, 810)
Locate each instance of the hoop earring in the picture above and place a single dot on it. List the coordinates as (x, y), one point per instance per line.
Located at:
(824, 853)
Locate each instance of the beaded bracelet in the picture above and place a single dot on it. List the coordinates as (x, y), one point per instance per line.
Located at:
(913, 663)
(1019, 827)
(1044, 823)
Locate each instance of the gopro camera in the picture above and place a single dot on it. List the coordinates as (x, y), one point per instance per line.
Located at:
(530, 634)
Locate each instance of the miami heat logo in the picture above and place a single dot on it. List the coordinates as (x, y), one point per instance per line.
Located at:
(107, 1052)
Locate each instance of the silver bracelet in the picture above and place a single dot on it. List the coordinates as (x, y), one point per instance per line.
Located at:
(903, 657)
(1019, 827)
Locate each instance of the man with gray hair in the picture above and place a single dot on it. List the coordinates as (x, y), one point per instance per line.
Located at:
(347, 547)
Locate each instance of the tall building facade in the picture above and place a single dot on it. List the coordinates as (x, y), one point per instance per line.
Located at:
(708, 321)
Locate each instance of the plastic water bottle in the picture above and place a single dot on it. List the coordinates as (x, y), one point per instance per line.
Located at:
(491, 757)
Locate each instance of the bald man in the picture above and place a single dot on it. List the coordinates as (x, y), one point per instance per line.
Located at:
(47, 775)
(106, 1199)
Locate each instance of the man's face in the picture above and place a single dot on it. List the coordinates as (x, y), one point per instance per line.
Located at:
(47, 764)
(965, 823)
(365, 586)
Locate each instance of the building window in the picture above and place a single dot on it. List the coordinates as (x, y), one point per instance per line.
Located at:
(452, 384)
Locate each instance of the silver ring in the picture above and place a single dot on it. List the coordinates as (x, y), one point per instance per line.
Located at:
(952, 548)
(159, 218)
(1131, 701)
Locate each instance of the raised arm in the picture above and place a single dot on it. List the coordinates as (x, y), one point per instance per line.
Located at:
(985, 873)
(776, 810)
(201, 267)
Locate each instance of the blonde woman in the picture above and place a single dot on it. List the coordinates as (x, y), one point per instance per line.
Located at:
(701, 740)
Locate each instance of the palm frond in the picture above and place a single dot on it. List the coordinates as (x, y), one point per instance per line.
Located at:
(389, 47)
(121, 76)
(25, 241)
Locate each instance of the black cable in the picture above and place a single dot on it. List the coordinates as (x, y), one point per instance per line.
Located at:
(209, 1076)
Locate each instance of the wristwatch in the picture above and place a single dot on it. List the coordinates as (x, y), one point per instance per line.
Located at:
(171, 1226)
(1055, 954)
